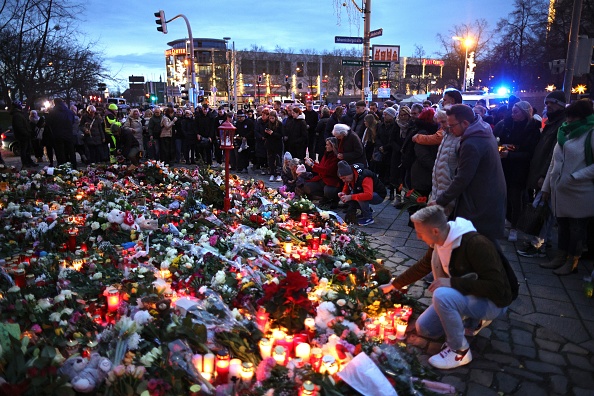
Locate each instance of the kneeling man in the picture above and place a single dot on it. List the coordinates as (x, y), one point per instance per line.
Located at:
(471, 283)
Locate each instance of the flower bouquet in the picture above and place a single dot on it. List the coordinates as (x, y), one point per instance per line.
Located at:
(411, 200)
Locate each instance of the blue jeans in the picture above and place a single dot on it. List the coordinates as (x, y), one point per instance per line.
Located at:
(364, 205)
(447, 313)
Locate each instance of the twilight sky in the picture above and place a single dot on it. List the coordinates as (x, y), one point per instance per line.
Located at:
(131, 44)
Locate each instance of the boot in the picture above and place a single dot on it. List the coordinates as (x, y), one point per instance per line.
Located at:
(556, 262)
(569, 267)
(391, 198)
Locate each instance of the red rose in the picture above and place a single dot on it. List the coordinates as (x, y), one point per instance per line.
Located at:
(422, 200)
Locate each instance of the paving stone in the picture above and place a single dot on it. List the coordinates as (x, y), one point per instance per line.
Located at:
(553, 307)
(557, 294)
(479, 390)
(508, 360)
(582, 392)
(530, 388)
(581, 378)
(542, 279)
(480, 345)
(520, 321)
(482, 364)
(553, 358)
(481, 377)
(522, 337)
(456, 382)
(589, 345)
(506, 383)
(413, 339)
(547, 345)
(500, 324)
(485, 333)
(522, 372)
(559, 384)
(412, 252)
(549, 335)
(541, 367)
(570, 328)
(580, 361)
(502, 335)
(521, 350)
(501, 346)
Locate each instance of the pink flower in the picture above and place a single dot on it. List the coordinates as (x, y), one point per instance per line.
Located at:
(264, 369)
(213, 240)
(36, 329)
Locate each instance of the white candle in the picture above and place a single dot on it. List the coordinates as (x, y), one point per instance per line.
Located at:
(234, 368)
(208, 362)
(197, 362)
(303, 351)
(279, 355)
(247, 371)
(206, 376)
(265, 348)
(401, 326)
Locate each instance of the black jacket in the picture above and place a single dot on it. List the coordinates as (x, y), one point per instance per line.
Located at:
(60, 121)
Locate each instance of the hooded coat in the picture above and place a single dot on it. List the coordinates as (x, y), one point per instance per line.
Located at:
(60, 121)
(295, 131)
(479, 184)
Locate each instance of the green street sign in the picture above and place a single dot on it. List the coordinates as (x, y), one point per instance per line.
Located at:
(379, 64)
(350, 62)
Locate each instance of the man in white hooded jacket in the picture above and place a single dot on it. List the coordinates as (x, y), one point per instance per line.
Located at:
(471, 285)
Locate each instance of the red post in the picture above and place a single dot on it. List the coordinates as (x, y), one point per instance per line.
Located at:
(226, 133)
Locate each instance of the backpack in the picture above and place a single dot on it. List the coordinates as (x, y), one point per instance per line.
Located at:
(509, 271)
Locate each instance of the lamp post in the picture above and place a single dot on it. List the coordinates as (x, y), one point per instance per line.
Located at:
(228, 70)
(467, 42)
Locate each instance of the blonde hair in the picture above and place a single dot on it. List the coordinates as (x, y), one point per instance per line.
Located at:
(290, 166)
(371, 128)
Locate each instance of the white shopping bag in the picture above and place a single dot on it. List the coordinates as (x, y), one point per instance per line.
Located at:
(364, 376)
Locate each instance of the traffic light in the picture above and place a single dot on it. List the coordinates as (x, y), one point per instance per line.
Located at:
(286, 78)
(259, 78)
(299, 85)
(308, 96)
(101, 87)
(161, 21)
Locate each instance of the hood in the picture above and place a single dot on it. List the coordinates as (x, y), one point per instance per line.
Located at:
(458, 228)
(478, 128)
(301, 116)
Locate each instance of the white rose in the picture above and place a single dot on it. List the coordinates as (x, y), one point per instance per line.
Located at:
(332, 294)
(95, 225)
(220, 277)
(341, 302)
(98, 275)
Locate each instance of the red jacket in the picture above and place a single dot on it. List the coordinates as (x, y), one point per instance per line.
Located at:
(327, 170)
(366, 186)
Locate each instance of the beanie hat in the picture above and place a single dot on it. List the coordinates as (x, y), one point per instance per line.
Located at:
(524, 107)
(390, 111)
(557, 97)
(405, 110)
(340, 130)
(344, 169)
(287, 156)
(240, 113)
(389, 103)
(300, 169)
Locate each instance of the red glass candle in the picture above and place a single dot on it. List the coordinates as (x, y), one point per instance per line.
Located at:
(303, 219)
(223, 362)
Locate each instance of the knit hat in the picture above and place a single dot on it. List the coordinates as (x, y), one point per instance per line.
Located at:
(240, 113)
(390, 111)
(344, 169)
(525, 108)
(557, 97)
(287, 156)
(389, 103)
(300, 169)
(340, 130)
(404, 110)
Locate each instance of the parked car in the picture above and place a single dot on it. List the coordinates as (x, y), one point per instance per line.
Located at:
(9, 142)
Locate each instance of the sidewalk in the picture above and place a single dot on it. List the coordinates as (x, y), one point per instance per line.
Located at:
(544, 344)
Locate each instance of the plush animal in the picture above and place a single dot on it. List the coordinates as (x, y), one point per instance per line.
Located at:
(92, 375)
(116, 216)
(73, 366)
(145, 224)
(128, 223)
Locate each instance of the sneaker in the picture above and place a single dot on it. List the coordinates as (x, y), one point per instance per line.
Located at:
(529, 250)
(263, 172)
(449, 359)
(279, 179)
(513, 235)
(271, 178)
(482, 324)
(366, 222)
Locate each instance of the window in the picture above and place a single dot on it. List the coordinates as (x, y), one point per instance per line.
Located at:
(299, 69)
(247, 66)
(274, 67)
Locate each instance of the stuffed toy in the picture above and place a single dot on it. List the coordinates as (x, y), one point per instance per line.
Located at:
(116, 216)
(92, 375)
(73, 366)
(145, 224)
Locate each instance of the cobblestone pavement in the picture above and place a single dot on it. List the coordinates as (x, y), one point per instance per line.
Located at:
(543, 345)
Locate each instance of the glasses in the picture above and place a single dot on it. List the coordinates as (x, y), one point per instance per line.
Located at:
(449, 127)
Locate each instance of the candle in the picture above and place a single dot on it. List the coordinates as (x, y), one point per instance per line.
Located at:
(303, 219)
(288, 247)
(329, 364)
(307, 389)
(223, 366)
(72, 347)
(303, 351)
(382, 326)
(113, 299)
(262, 320)
(208, 363)
(401, 326)
(316, 358)
(234, 368)
(72, 233)
(197, 362)
(280, 355)
(247, 371)
(391, 340)
(206, 376)
(315, 244)
(278, 335)
(388, 331)
(371, 330)
(265, 348)
(310, 326)
(19, 277)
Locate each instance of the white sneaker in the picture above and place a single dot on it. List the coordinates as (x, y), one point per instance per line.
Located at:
(513, 235)
(449, 359)
(271, 178)
(482, 325)
(279, 179)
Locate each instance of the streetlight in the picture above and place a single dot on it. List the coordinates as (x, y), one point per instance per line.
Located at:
(467, 42)
(228, 70)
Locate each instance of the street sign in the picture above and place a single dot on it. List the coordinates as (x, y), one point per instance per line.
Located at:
(379, 64)
(376, 33)
(348, 40)
(350, 62)
(359, 79)
(383, 92)
(213, 89)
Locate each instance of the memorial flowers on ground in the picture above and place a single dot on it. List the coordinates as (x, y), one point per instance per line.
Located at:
(142, 267)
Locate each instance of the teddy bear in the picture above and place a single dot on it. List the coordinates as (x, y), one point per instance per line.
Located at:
(73, 366)
(145, 224)
(116, 216)
(95, 372)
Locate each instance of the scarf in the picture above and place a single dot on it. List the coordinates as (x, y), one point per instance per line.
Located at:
(575, 129)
